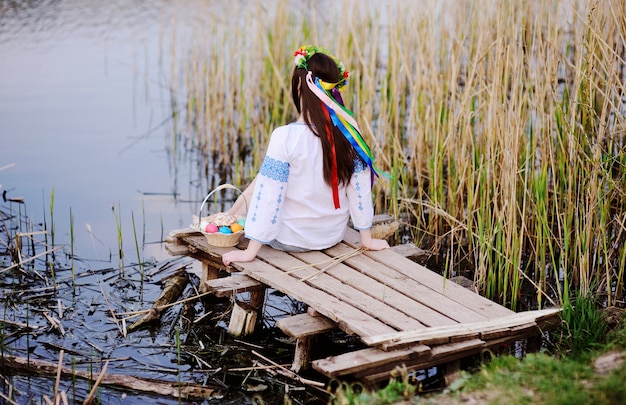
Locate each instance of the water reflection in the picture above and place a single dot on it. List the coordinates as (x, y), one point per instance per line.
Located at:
(85, 107)
(81, 99)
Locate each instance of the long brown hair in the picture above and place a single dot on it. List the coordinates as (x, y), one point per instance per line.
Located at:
(315, 116)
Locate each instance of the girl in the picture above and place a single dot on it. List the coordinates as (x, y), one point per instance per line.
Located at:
(317, 172)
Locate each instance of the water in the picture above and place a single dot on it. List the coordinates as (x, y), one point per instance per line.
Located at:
(85, 140)
(81, 108)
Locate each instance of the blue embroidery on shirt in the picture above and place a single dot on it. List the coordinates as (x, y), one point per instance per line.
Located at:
(258, 198)
(278, 201)
(357, 187)
(275, 169)
(359, 165)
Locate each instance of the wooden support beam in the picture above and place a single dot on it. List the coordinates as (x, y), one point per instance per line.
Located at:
(301, 357)
(442, 354)
(302, 327)
(525, 320)
(369, 359)
(232, 285)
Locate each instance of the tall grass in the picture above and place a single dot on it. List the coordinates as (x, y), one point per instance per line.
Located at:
(502, 122)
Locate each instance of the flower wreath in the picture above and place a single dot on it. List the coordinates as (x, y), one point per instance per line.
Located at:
(302, 55)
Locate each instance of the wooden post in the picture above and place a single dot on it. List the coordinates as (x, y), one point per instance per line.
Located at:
(301, 359)
(257, 298)
(208, 273)
(244, 317)
(242, 320)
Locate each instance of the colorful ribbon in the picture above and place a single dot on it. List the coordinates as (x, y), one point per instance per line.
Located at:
(343, 120)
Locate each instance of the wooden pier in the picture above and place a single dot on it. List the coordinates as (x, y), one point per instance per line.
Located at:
(405, 314)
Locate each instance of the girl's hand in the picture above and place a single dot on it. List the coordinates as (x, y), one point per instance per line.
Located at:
(376, 244)
(372, 244)
(237, 256)
(247, 255)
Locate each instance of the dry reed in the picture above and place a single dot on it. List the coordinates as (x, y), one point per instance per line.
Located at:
(506, 116)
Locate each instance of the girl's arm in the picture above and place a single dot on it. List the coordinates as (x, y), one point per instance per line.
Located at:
(369, 243)
(242, 255)
(241, 205)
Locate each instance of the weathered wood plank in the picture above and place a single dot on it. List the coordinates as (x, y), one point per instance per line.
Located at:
(473, 302)
(355, 296)
(431, 307)
(495, 333)
(231, 285)
(360, 323)
(341, 291)
(424, 336)
(386, 293)
(367, 359)
(302, 325)
(438, 355)
(176, 250)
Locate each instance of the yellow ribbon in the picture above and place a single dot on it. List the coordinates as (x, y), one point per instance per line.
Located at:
(329, 86)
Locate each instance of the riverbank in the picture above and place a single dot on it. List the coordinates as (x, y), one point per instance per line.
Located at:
(595, 375)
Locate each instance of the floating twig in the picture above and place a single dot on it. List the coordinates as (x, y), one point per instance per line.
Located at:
(30, 259)
(289, 373)
(122, 328)
(58, 379)
(132, 314)
(96, 384)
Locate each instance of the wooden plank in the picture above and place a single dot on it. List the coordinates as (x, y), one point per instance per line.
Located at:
(179, 233)
(473, 302)
(176, 250)
(439, 355)
(302, 325)
(360, 293)
(424, 336)
(495, 333)
(341, 291)
(210, 255)
(336, 310)
(524, 329)
(474, 334)
(366, 359)
(441, 309)
(385, 292)
(231, 285)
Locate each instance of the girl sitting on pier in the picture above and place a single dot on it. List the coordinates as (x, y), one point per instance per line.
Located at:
(317, 172)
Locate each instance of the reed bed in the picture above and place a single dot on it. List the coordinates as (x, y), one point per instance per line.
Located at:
(502, 123)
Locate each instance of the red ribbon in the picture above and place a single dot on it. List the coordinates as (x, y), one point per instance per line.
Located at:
(335, 176)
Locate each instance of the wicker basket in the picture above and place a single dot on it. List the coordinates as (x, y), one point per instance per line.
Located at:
(219, 239)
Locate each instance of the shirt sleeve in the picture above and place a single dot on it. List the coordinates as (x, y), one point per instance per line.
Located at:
(264, 214)
(359, 193)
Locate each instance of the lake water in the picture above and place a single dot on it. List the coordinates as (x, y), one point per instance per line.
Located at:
(85, 126)
(84, 113)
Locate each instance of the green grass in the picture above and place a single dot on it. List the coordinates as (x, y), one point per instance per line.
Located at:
(583, 327)
(565, 375)
(537, 379)
(545, 379)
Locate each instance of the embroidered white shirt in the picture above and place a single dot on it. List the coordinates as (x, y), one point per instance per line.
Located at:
(291, 202)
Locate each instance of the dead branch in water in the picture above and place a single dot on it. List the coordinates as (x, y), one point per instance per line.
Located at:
(173, 288)
(147, 385)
